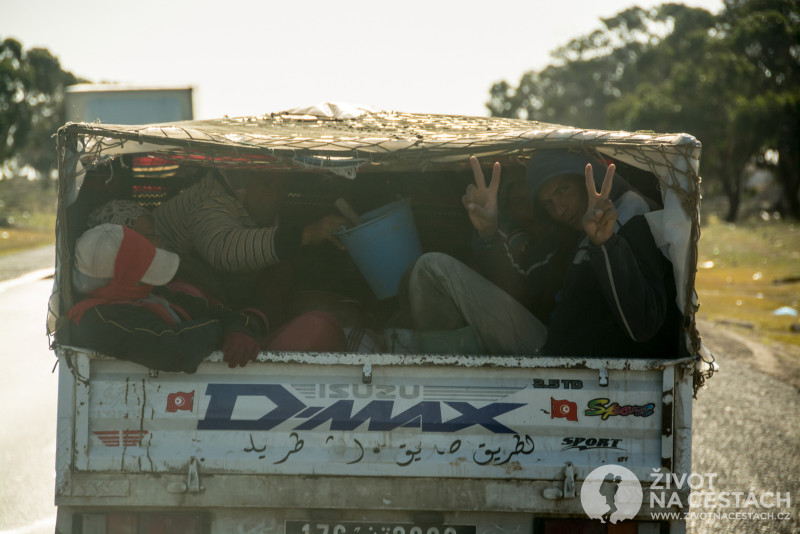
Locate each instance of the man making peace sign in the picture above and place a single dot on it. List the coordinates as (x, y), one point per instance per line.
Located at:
(593, 284)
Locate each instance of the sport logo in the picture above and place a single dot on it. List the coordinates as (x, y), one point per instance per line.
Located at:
(584, 444)
(611, 493)
(563, 409)
(604, 408)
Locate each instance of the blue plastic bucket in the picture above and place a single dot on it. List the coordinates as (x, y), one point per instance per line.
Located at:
(383, 246)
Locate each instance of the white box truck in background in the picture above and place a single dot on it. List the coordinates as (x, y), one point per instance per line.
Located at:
(126, 104)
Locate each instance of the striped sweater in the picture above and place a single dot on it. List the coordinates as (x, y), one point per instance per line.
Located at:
(208, 220)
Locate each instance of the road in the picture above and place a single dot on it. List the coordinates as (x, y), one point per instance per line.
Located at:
(747, 422)
(28, 391)
(747, 432)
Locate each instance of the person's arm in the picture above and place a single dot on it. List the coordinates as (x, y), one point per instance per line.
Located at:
(226, 243)
(221, 238)
(492, 251)
(512, 261)
(243, 332)
(480, 200)
(530, 270)
(631, 272)
(628, 265)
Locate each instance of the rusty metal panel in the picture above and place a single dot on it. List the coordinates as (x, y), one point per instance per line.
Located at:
(80, 365)
(65, 430)
(667, 416)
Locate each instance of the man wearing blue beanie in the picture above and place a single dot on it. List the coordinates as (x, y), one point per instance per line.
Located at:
(595, 284)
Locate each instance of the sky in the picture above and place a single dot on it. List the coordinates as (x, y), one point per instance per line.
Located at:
(250, 57)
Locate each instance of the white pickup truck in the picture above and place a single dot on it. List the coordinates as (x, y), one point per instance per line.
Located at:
(398, 442)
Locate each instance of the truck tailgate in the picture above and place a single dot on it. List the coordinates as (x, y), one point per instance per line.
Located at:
(371, 416)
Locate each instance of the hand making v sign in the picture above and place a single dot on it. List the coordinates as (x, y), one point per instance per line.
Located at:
(481, 201)
(601, 215)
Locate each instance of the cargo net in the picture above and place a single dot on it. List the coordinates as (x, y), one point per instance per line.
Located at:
(343, 145)
(346, 143)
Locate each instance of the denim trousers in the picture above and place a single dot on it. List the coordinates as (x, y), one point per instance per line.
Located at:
(445, 294)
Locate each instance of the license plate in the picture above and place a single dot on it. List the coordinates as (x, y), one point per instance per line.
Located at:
(356, 527)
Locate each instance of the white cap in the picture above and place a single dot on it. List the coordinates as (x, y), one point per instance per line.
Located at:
(96, 252)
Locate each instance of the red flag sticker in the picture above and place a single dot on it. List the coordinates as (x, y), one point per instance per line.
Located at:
(180, 401)
(563, 409)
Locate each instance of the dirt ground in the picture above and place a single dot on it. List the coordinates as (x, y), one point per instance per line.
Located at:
(745, 431)
(780, 361)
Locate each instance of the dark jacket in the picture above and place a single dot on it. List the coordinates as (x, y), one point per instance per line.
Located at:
(615, 300)
(618, 299)
(130, 331)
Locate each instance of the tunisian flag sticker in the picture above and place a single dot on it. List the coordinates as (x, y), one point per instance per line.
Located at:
(563, 409)
(180, 401)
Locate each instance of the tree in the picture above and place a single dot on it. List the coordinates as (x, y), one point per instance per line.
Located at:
(731, 80)
(588, 73)
(694, 84)
(767, 33)
(15, 114)
(32, 87)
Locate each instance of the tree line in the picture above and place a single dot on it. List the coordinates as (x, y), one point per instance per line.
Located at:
(731, 79)
(32, 107)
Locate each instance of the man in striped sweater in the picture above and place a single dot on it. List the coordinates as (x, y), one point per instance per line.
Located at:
(227, 232)
(235, 229)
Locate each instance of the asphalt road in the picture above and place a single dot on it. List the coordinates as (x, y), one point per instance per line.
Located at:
(17, 265)
(28, 395)
(746, 423)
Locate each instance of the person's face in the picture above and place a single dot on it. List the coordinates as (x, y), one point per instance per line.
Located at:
(145, 226)
(263, 198)
(564, 199)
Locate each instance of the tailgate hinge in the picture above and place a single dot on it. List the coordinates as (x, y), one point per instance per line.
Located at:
(603, 378)
(193, 479)
(192, 484)
(366, 374)
(569, 481)
(567, 491)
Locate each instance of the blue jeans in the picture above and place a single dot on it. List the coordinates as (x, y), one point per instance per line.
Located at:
(445, 294)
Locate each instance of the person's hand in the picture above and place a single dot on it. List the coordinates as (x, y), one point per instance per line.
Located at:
(238, 348)
(481, 201)
(322, 230)
(601, 215)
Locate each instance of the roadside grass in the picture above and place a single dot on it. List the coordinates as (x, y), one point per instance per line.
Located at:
(27, 215)
(20, 238)
(748, 271)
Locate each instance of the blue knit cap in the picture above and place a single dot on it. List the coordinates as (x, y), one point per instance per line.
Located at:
(545, 165)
